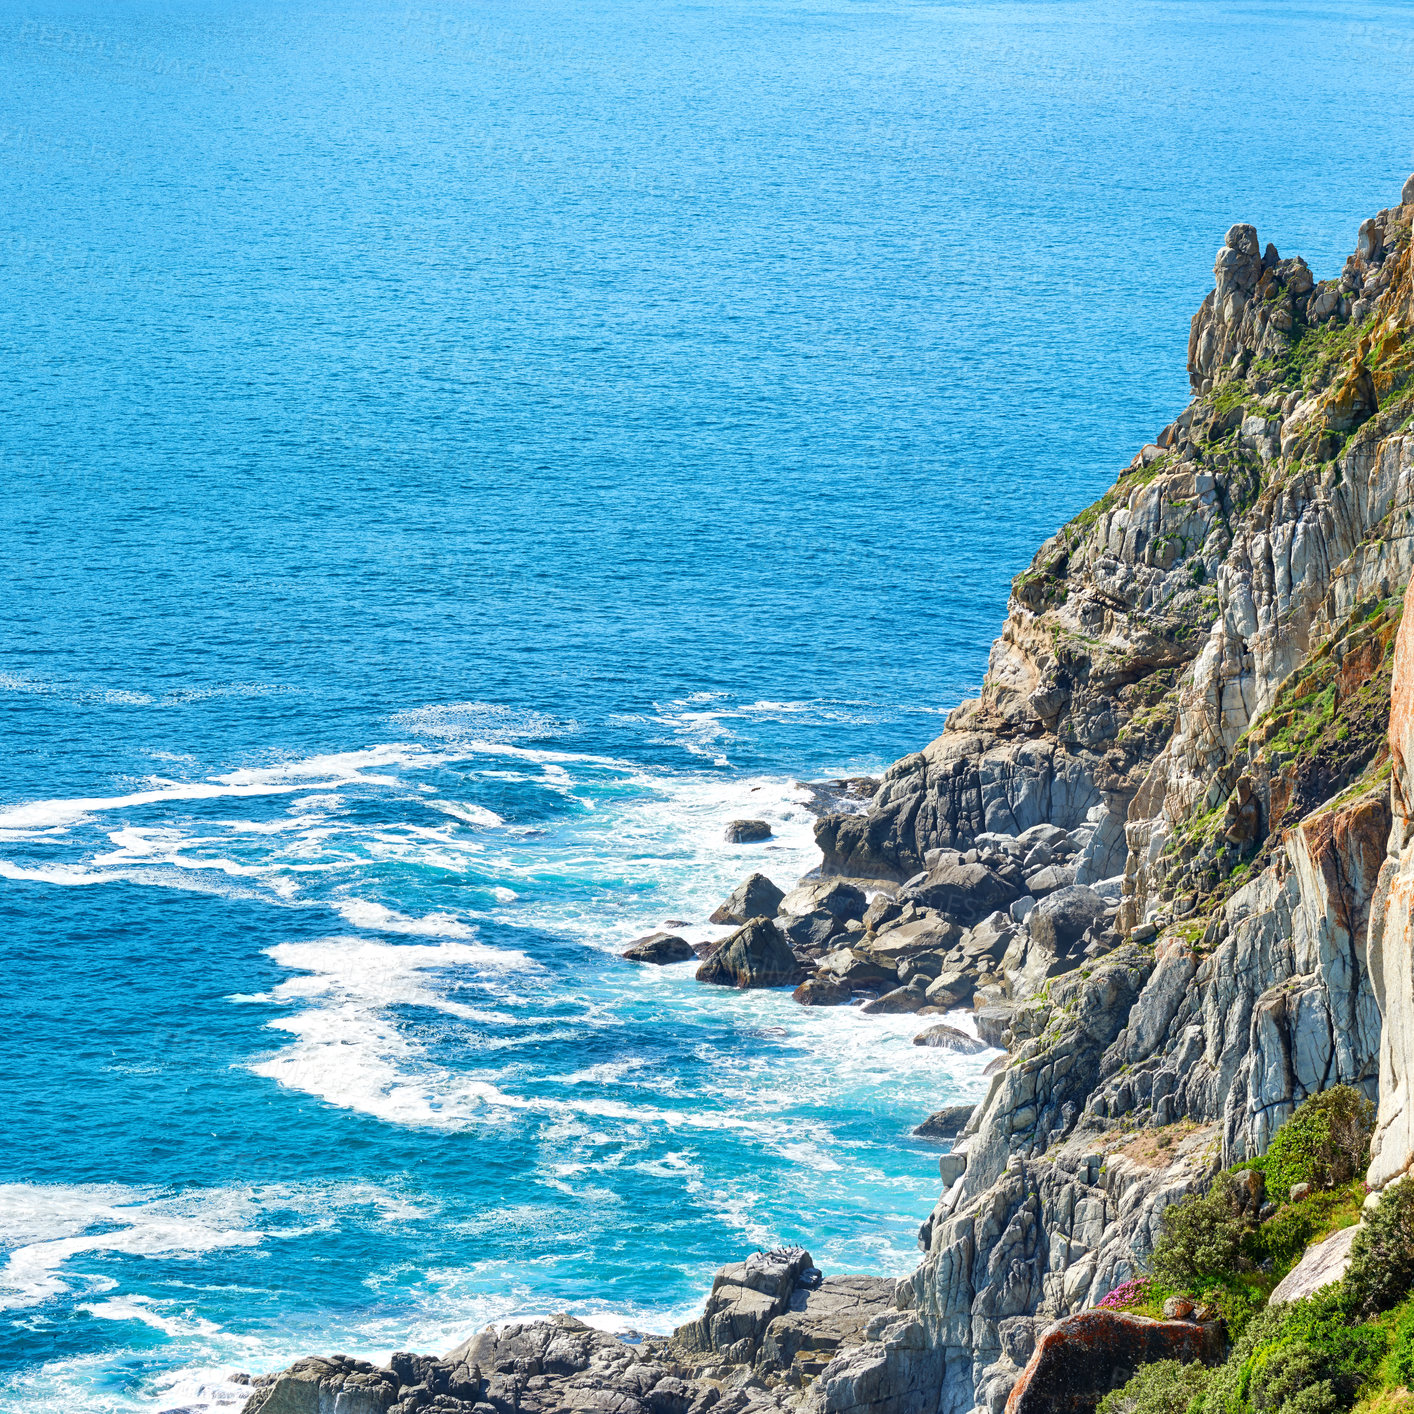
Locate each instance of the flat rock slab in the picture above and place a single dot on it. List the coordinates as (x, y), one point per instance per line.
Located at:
(1323, 1263)
(1080, 1359)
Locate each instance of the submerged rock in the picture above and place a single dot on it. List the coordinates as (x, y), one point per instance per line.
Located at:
(756, 955)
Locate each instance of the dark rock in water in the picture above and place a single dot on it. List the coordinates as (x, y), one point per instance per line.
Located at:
(1080, 1359)
(754, 897)
(660, 948)
(849, 795)
(812, 932)
(822, 991)
(1060, 920)
(945, 1124)
(949, 1038)
(748, 831)
(965, 892)
(756, 955)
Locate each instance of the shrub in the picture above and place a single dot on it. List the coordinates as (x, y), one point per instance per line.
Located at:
(1283, 1238)
(1201, 1238)
(1326, 1142)
(1305, 1357)
(1402, 1352)
(1381, 1270)
(1164, 1387)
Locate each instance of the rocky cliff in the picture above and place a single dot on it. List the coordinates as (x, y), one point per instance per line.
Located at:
(1185, 732)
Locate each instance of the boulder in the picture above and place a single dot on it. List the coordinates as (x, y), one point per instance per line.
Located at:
(755, 897)
(901, 1000)
(966, 892)
(1046, 834)
(660, 948)
(748, 831)
(822, 991)
(1048, 880)
(1080, 1359)
(811, 932)
(858, 971)
(1322, 1263)
(952, 988)
(1021, 909)
(945, 1124)
(949, 1038)
(1060, 920)
(756, 955)
(881, 911)
(846, 901)
(923, 935)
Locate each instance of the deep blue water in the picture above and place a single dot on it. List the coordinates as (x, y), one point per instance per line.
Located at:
(455, 458)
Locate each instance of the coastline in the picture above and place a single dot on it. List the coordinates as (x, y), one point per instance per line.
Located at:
(1165, 817)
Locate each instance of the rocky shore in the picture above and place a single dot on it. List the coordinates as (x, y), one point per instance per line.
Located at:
(1166, 859)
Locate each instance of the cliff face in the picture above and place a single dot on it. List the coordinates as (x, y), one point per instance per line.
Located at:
(1195, 674)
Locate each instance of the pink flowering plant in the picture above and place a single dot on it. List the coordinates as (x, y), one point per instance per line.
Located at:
(1133, 1292)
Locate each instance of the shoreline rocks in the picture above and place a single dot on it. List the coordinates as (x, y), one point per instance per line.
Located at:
(756, 955)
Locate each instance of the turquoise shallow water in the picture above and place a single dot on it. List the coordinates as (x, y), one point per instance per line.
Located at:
(455, 458)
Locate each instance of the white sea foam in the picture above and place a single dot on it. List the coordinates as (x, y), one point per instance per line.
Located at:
(284, 778)
(376, 917)
(47, 1227)
(140, 1308)
(463, 810)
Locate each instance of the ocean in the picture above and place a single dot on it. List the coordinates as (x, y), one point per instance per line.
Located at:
(455, 458)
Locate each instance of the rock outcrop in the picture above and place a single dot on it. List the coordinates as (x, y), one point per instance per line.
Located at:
(1079, 1360)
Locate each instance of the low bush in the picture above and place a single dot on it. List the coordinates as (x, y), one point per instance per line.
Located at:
(1283, 1238)
(1302, 1357)
(1201, 1239)
(1325, 1143)
(1381, 1270)
(1165, 1387)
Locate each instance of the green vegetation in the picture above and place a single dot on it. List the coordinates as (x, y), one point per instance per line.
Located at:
(1165, 1387)
(1325, 1143)
(1382, 1259)
(1350, 1341)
